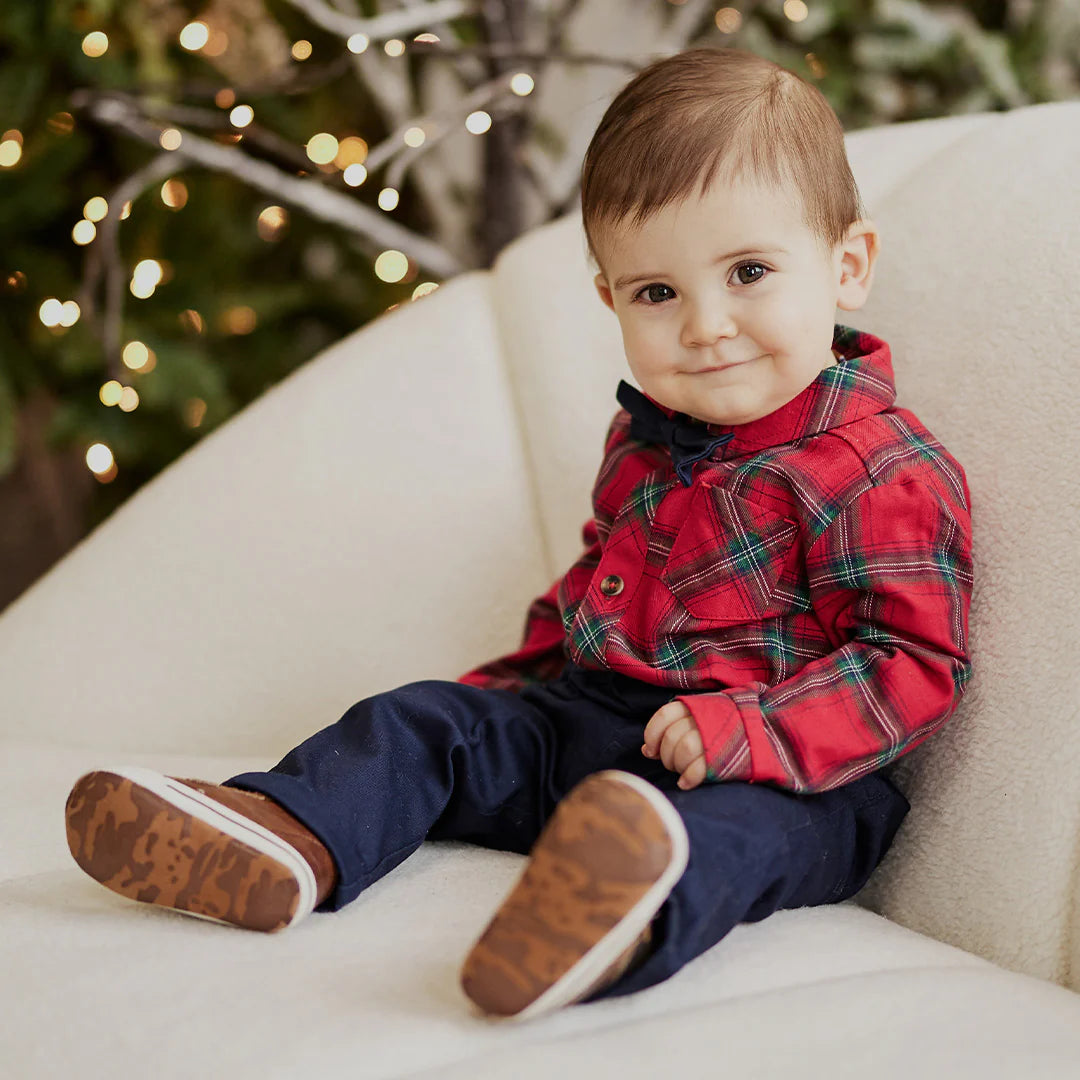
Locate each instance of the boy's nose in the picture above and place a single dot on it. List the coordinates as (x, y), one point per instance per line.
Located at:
(705, 325)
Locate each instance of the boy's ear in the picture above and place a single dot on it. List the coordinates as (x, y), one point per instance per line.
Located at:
(857, 255)
(605, 293)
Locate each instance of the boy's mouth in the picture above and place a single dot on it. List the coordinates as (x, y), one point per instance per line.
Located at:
(721, 367)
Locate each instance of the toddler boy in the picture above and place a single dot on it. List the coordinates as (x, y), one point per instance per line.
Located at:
(772, 604)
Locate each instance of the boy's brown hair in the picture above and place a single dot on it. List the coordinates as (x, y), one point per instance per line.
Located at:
(710, 113)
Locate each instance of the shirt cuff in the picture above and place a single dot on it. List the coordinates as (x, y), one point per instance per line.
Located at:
(723, 735)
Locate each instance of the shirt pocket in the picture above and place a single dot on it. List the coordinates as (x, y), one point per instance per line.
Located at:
(728, 558)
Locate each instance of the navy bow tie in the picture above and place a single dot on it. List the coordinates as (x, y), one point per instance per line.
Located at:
(689, 441)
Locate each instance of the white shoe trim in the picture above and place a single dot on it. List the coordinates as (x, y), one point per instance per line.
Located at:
(621, 936)
(232, 823)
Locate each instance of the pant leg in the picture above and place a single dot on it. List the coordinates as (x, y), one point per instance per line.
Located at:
(434, 758)
(756, 848)
(443, 761)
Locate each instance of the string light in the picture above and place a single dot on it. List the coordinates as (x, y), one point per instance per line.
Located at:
(61, 123)
(727, 20)
(388, 198)
(301, 50)
(194, 36)
(136, 356)
(174, 194)
(322, 148)
(225, 99)
(218, 43)
(95, 44)
(95, 208)
(352, 150)
(355, 175)
(191, 320)
(145, 278)
(170, 139)
(431, 38)
(478, 122)
(391, 266)
(241, 116)
(272, 221)
(795, 10)
(110, 393)
(358, 43)
(239, 320)
(522, 84)
(84, 232)
(69, 313)
(129, 399)
(194, 411)
(50, 312)
(100, 461)
(393, 46)
(424, 288)
(10, 152)
(414, 136)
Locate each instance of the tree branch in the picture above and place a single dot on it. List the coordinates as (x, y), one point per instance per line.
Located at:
(311, 196)
(104, 254)
(391, 24)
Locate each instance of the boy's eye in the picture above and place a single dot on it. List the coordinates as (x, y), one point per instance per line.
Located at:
(748, 273)
(750, 266)
(651, 291)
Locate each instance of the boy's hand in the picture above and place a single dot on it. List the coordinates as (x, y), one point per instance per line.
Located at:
(672, 735)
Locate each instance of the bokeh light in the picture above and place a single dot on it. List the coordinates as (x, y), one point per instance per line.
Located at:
(95, 44)
(478, 122)
(194, 36)
(322, 148)
(522, 84)
(391, 266)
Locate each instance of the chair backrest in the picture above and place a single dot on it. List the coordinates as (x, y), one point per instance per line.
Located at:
(975, 291)
(367, 522)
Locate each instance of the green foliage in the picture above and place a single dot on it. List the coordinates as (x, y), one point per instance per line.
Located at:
(214, 257)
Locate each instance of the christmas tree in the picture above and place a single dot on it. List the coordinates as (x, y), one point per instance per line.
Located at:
(195, 198)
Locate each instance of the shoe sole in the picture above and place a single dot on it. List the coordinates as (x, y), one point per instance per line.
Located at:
(153, 839)
(527, 924)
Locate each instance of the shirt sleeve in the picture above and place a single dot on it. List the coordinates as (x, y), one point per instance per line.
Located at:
(542, 653)
(890, 582)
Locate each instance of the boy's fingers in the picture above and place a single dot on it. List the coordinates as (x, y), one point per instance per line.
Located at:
(688, 749)
(673, 736)
(657, 725)
(694, 774)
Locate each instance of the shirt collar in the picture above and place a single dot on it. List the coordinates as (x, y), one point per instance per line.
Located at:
(859, 384)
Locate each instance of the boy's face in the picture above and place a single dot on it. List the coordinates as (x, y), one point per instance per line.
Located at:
(724, 337)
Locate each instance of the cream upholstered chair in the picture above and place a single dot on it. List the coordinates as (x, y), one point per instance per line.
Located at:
(309, 554)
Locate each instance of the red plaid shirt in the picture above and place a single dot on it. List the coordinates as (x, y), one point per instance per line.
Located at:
(806, 596)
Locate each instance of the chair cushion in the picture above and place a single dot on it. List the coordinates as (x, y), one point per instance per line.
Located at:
(105, 984)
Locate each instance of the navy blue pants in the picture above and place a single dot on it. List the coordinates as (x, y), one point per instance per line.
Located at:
(439, 760)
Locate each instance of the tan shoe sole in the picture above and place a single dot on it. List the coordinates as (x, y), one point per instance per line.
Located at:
(151, 838)
(600, 870)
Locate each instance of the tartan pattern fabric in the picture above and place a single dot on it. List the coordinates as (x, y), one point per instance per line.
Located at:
(806, 597)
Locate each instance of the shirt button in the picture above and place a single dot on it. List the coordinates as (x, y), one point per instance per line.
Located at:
(612, 585)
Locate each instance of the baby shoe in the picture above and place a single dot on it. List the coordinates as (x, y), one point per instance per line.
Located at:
(215, 852)
(579, 916)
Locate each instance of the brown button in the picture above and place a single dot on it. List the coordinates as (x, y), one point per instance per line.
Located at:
(612, 585)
